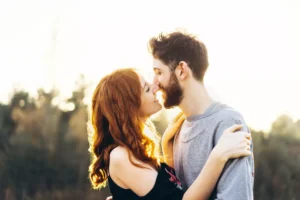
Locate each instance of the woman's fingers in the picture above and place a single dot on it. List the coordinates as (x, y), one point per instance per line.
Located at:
(248, 153)
(248, 135)
(248, 142)
(233, 128)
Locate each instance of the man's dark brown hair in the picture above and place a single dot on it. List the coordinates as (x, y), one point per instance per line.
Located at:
(178, 46)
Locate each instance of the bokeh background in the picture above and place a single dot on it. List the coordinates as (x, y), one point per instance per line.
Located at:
(54, 52)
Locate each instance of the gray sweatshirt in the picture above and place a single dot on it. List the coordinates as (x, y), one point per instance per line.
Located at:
(193, 144)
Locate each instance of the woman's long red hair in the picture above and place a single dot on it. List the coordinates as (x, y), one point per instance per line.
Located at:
(115, 122)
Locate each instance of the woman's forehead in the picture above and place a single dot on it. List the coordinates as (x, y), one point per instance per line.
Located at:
(142, 80)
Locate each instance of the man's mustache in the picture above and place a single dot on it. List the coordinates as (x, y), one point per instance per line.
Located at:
(161, 87)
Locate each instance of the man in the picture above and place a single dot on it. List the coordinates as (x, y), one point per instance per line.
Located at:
(180, 62)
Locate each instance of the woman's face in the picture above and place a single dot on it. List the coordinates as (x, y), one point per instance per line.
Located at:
(150, 104)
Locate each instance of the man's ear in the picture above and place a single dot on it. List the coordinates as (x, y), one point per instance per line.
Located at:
(182, 71)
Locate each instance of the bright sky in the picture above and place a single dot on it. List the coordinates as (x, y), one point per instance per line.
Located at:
(253, 46)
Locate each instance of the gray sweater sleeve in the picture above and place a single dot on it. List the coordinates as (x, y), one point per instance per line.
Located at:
(236, 181)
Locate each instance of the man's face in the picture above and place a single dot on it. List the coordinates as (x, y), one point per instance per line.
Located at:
(167, 83)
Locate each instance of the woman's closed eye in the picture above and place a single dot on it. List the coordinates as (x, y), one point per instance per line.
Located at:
(147, 89)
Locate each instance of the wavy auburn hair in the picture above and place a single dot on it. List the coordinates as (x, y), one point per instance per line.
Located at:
(115, 122)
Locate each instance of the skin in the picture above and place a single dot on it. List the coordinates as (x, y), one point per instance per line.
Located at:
(125, 174)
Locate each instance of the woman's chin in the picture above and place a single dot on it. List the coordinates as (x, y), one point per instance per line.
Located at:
(159, 107)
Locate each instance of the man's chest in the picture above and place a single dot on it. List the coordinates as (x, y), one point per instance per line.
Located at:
(192, 147)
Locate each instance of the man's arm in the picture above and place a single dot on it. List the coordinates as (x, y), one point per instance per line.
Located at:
(236, 181)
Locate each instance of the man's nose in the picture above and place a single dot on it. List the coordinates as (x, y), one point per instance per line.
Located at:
(155, 88)
(155, 80)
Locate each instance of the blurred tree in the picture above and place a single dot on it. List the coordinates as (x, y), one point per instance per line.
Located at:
(44, 150)
(284, 125)
(277, 166)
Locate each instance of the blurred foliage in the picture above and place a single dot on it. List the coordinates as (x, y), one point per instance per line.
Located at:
(277, 161)
(44, 150)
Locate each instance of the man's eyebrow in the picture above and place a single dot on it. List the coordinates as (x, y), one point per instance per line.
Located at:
(144, 86)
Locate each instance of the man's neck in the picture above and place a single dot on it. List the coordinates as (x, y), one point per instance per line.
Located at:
(196, 99)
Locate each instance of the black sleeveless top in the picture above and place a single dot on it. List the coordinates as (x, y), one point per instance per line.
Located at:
(166, 187)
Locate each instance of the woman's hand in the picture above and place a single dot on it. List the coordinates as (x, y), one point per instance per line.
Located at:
(233, 144)
(173, 127)
(168, 137)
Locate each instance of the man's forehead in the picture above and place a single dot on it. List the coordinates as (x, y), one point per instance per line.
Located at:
(157, 64)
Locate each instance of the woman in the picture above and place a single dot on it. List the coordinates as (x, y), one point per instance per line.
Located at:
(126, 157)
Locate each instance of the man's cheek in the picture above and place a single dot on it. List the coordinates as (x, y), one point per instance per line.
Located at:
(161, 82)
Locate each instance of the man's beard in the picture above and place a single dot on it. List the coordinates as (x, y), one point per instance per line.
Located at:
(172, 93)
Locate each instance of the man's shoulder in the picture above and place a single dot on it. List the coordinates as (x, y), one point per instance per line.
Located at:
(228, 114)
(226, 117)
